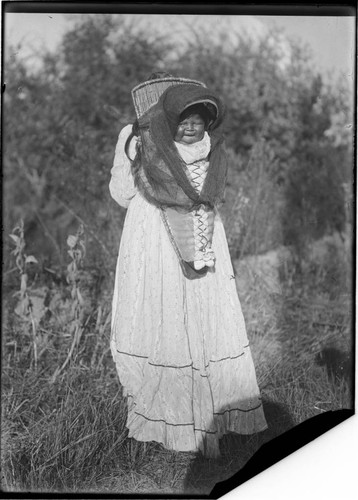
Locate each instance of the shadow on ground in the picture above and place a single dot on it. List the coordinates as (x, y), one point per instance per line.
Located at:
(243, 457)
(236, 450)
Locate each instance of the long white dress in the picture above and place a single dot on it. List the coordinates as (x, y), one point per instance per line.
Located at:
(180, 345)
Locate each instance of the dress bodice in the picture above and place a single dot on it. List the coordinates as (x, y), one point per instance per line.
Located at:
(198, 173)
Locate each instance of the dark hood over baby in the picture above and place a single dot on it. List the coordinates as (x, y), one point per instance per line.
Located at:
(178, 99)
(160, 173)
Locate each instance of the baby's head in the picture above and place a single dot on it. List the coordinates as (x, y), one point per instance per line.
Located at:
(193, 123)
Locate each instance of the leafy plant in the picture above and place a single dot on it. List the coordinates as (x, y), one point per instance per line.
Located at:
(76, 251)
(25, 309)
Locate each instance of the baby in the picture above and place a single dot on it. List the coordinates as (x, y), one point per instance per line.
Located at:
(193, 144)
(180, 165)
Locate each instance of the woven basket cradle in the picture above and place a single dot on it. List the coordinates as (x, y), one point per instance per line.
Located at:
(180, 227)
(146, 94)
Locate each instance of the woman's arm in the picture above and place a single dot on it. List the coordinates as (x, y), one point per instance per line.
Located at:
(122, 186)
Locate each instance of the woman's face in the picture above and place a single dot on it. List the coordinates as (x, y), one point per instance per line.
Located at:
(190, 130)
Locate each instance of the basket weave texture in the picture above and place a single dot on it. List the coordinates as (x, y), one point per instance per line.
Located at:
(146, 94)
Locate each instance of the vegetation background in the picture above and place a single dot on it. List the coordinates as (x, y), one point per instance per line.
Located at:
(288, 216)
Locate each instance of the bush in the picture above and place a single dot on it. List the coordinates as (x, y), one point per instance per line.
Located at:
(58, 156)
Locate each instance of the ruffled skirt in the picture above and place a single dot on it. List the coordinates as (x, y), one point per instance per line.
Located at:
(180, 345)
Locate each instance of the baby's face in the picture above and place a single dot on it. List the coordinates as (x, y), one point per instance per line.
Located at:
(190, 130)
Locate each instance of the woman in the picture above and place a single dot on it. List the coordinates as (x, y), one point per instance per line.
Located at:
(178, 335)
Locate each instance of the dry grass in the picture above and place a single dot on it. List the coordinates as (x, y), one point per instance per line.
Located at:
(69, 435)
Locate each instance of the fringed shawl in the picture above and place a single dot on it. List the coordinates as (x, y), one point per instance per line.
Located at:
(159, 171)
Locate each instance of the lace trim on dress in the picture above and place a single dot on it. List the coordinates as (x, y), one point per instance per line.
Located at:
(195, 156)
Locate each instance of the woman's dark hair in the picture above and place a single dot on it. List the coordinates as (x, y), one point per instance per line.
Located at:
(134, 132)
